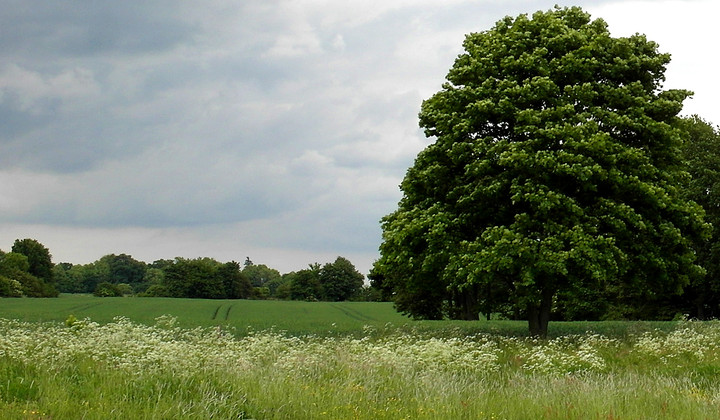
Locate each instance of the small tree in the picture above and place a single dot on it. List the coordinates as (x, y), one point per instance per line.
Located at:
(236, 283)
(340, 280)
(305, 284)
(260, 275)
(284, 289)
(65, 280)
(124, 268)
(196, 278)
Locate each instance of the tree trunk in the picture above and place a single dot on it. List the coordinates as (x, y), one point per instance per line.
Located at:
(700, 309)
(470, 305)
(539, 315)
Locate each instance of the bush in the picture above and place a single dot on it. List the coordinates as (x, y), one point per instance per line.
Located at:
(10, 287)
(125, 289)
(156, 290)
(106, 289)
(31, 285)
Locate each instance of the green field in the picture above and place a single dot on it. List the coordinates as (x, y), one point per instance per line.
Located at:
(293, 317)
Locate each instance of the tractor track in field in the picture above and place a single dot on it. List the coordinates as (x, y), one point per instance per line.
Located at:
(226, 311)
(216, 312)
(354, 314)
(84, 307)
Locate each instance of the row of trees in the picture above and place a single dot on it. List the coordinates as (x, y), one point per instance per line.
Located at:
(28, 271)
(117, 275)
(561, 183)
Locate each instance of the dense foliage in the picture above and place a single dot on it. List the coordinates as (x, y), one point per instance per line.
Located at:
(106, 289)
(701, 152)
(553, 184)
(27, 271)
(210, 279)
(332, 282)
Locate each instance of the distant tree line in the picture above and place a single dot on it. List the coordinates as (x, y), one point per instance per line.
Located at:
(28, 271)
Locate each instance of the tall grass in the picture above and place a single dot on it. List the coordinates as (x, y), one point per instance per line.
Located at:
(123, 369)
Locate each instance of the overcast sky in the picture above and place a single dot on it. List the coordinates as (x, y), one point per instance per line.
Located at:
(275, 130)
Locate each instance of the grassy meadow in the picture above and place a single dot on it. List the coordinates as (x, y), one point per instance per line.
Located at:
(185, 359)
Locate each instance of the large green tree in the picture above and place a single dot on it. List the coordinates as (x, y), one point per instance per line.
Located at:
(701, 152)
(38, 256)
(38, 279)
(554, 172)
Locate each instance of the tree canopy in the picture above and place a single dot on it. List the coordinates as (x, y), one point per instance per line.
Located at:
(39, 258)
(340, 280)
(701, 154)
(555, 173)
(27, 270)
(336, 281)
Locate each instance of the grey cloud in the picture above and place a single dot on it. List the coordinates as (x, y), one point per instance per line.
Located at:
(281, 124)
(50, 142)
(14, 121)
(147, 193)
(59, 28)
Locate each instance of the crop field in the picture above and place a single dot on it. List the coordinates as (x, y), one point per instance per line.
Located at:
(291, 317)
(294, 316)
(175, 359)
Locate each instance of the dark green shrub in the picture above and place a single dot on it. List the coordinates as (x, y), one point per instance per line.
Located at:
(106, 289)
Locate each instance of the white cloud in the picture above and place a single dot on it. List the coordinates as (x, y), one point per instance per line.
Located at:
(299, 43)
(338, 42)
(684, 29)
